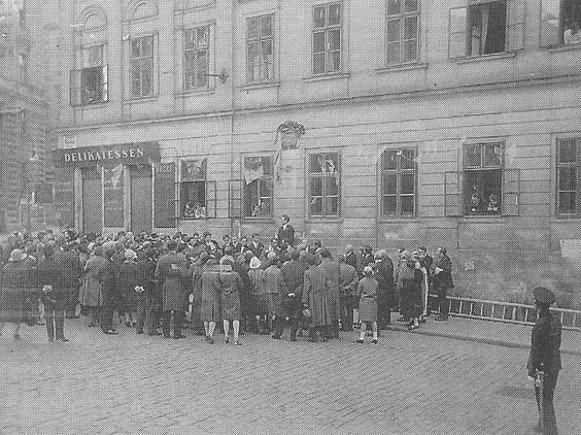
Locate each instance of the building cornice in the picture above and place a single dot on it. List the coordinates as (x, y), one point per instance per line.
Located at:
(406, 95)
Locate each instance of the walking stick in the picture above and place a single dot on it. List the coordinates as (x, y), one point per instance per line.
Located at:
(541, 378)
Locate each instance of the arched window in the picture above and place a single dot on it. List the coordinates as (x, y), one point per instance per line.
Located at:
(140, 10)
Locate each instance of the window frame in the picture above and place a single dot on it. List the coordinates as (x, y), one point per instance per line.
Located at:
(78, 77)
(247, 209)
(140, 60)
(550, 35)
(402, 16)
(326, 30)
(260, 40)
(562, 165)
(325, 179)
(194, 51)
(398, 172)
(193, 181)
(480, 170)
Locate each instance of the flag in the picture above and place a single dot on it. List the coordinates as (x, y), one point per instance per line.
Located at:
(193, 170)
(253, 169)
(113, 175)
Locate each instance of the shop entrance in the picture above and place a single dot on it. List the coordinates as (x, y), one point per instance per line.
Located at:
(92, 200)
(141, 207)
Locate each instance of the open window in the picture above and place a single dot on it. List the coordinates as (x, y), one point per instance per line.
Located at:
(324, 185)
(560, 22)
(258, 187)
(193, 195)
(89, 84)
(486, 27)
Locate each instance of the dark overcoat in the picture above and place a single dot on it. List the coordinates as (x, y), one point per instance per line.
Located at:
(172, 270)
(315, 291)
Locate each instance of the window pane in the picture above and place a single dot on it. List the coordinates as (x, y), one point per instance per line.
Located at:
(266, 188)
(146, 81)
(189, 79)
(567, 151)
(408, 183)
(318, 42)
(202, 36)
(267, 25)
(331, 187)
(568, 179)
(390, 159)
(567, 202)
(389, 183)
(267, 165)
(335, 61)
(147, 47)
(407, 205)
(267, 50)
(411, 5)
(316, 186)
(492, 155)
(410, 28)
(253, 52)
(317, 206)
(473, 155)
(189, 60)
(316, 163)
(253, 28)
(319, 16)
(334, 14)
(334, 39)
(190, 39)
(389, 204)
(135, 48)
(265, 207)
(393, 7)
(393, 30)
(408, 159)
(331, 206)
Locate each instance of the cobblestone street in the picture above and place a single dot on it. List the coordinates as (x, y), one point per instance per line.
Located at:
(407, 384)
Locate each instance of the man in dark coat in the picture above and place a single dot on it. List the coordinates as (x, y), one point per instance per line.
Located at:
(426, 262)
(331, 269)
(383, 269)
(172, 271)
(109, 277)
(348, 285)
(442, 281)
(286, 232)
(293, 273)
(315, 291)
(256, 246)
(545, 360)
(51, 282)
(152, 296)
(72, 272)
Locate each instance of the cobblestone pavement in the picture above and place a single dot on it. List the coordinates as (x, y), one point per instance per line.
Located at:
(406, 384)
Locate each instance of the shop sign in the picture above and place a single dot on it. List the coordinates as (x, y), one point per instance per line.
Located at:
(127, 154)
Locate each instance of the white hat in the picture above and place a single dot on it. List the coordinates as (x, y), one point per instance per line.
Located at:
(17, 255)
(255, 263)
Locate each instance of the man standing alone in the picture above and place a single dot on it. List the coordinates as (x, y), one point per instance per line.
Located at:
(286, 233)
(545, 360)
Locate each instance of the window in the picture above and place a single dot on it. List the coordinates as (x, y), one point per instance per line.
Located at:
(196, 58)
(399, 173)
(486, 27)
(324, 179)
(193, 189)
(23, 67)
(327, 21)
(560, 22)
(89, 84)
(568, 165)
(259, 49)
(483, 178)
(258, 186)
(403, 19)
(142, 67)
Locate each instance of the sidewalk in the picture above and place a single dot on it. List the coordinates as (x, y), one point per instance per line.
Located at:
(483, 331)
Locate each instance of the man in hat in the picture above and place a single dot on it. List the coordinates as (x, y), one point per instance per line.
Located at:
(545, 359)
(17, 280)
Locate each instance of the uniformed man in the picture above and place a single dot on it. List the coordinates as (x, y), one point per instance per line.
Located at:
(545, 360)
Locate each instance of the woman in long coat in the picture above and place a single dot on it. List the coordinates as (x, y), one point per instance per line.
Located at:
(315, 290)
(91, 295)
(131, 276)
(230, 285)
(18, 280)
(367, 289)
(210, 300)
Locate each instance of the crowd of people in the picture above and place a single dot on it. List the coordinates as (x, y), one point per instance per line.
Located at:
(159, 281)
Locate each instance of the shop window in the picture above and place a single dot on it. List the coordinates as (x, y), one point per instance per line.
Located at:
(568, 164)
(327, 36)
(258, 187)
(193, 190)
(89, 84)
(483, 178)
(260, 49)
(403, 17)
(142, 66)
(196, 58)
(486, 27)
(560, 22)
(324, 183)
(399, 173)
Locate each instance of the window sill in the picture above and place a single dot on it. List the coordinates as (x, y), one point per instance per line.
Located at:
(195, 93)
(323, 77)
(398, 219)
(261, 85)
(484, 218)
(263, 219)
(322, 220)
(140, 100)
(564, 47)
(91, 106)
(401, 67)
(486, 57)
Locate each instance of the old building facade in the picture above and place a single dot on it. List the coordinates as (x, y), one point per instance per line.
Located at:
(452, 124)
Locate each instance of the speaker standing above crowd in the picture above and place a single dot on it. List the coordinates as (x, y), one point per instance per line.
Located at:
(158, 281)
